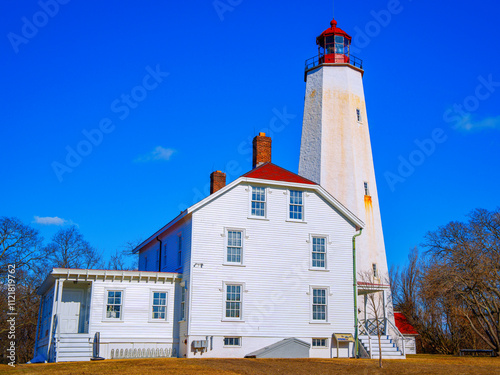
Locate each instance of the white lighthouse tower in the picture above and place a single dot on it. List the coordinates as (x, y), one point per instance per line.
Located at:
(336, 150)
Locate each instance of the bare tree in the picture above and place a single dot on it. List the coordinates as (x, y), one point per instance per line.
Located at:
(467, 258)
(69, 249)
(21, 247)
(20, 244)
(121, 260)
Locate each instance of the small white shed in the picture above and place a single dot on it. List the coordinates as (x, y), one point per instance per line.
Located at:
(133, 311)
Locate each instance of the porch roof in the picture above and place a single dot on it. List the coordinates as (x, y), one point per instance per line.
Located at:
(368, 288)
(74, 274)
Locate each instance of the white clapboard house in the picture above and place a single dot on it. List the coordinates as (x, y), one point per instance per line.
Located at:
(264, 266)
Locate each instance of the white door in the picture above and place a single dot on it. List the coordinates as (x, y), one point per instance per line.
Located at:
(71, 301)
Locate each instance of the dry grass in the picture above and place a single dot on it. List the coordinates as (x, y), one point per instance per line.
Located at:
(420, 364)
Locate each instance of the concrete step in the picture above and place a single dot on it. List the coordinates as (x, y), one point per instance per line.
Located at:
(74, 350)
(74, 359)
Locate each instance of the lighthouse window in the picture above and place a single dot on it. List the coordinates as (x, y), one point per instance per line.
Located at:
(330, 44)
(358, 115)
(339, 44)
(367, 189)
(375, 270)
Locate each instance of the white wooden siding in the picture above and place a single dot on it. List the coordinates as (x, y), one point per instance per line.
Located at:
(276, 270)
(135, 325)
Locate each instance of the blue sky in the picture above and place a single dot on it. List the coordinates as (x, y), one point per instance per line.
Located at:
(157, 94)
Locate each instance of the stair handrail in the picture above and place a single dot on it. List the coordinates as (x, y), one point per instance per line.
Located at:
(362, 329)
(398, 332)
(367, 331)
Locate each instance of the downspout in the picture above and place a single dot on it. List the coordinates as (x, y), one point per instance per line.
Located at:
(355, 290)
(159, 253)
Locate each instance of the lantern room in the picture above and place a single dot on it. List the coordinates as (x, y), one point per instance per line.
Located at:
(334, 45)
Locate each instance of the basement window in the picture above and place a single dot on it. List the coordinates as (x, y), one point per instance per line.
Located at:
(232, 341)
(320, 343)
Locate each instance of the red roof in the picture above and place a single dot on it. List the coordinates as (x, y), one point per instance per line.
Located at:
(333, 30)
(404, 327)
(269, 171)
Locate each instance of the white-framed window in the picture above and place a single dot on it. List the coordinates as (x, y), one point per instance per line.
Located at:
(183, 304)
(319, 304)
(320, 343)
(234, 246)
(114, 304)
(233, 301)
(375, 270)
(296, 209)
(159, 305)
(258, 202)
(318, 252)
(359, 117)
(179, 251)
(367, 188)
(232, 341)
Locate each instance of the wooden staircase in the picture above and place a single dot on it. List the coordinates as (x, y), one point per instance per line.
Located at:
(72, 347)
(389, 349)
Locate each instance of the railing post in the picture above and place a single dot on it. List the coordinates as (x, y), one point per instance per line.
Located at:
(370, 345)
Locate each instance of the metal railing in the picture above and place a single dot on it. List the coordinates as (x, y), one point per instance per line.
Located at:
(400, 337)
(370, 326)
(339, 59)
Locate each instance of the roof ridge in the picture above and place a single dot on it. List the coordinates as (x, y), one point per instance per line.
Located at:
(270, 164)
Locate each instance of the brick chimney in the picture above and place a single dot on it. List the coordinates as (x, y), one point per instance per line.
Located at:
(217, 181)
(261, 150)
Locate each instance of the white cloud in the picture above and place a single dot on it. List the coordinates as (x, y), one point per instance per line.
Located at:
(51, 221)
(158, 154)
(470, 124)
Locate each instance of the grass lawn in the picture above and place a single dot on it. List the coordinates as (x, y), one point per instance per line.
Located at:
(419, 364)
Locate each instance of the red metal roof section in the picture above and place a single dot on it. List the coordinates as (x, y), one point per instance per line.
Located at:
(333, 30)
(269, 171)
(404, 327)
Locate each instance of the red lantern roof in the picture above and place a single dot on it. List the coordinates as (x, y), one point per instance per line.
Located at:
(333, 30)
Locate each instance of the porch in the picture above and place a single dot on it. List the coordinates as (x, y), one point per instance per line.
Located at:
(374, 320)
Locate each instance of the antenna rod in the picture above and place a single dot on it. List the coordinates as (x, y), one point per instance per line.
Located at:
(333, 9)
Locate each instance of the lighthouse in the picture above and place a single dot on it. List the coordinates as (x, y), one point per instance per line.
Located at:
(336, 149)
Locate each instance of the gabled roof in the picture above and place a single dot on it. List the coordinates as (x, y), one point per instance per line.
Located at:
(286, 344)
(272, 175)
(403, 325)
(270, 171)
